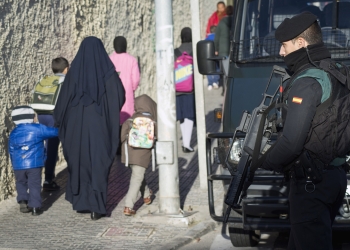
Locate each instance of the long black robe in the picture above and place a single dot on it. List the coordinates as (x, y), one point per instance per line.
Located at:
(90, 137)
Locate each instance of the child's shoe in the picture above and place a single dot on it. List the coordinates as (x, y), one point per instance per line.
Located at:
(50, 186)
(187, 150)
(36, 211)
(128, 211)
(148, 199)
(23, 206)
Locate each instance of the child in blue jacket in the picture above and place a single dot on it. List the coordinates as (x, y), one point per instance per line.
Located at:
(27, 153)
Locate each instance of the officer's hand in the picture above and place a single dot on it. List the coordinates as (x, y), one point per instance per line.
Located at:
(266, 167)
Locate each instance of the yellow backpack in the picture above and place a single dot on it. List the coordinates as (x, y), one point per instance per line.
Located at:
(45, 94)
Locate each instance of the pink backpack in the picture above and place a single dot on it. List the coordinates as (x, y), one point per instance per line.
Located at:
(183, 72)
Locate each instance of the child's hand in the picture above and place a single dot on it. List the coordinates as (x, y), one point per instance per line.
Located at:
(36, 118)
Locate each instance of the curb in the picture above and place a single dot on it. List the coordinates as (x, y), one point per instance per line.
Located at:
(196, 232)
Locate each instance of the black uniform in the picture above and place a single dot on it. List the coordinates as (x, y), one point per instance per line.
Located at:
(311, 213)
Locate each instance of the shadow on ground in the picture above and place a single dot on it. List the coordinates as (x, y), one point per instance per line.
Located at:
(49, 198)
(119, 177)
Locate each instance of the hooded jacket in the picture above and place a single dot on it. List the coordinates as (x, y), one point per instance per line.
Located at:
(144, 107)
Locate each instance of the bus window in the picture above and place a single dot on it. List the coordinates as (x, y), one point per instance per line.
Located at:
(262, 17)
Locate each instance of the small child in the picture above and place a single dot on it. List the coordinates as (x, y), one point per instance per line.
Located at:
(26, 147)
(213, 80)
(211, 35)
(138, 158)
(60, 67)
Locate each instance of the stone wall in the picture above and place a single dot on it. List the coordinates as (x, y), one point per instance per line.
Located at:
(33, 32)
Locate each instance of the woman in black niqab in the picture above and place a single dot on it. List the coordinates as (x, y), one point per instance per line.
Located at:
(87, 114)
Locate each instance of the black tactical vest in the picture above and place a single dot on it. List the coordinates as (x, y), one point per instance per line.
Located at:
(329, 136)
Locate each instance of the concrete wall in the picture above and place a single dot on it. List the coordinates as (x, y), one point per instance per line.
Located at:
(33, 32)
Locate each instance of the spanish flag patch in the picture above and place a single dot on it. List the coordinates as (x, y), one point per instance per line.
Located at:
(297, 100)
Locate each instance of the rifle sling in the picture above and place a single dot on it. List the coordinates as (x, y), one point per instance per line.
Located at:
(257, 146)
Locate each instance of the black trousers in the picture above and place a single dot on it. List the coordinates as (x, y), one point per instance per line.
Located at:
(312, 213)
(51, 148)
(29, 179)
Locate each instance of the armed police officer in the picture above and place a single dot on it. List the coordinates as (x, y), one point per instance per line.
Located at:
(306, 147)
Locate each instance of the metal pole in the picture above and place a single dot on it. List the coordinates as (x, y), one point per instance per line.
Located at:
(166, 149)
(199, 94)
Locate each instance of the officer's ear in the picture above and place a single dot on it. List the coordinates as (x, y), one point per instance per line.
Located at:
(301, 42)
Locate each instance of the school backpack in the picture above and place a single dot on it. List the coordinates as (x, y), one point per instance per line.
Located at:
(183, 72)
(141, 135)
(45, 94)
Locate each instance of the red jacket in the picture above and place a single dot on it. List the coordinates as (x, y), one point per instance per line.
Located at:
(214, 20)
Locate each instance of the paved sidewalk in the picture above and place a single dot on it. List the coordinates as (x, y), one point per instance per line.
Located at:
(59, 227)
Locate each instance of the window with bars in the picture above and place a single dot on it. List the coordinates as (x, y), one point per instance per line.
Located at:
(257, 37)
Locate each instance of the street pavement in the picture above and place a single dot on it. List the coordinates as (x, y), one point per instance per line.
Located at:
(59, 227)
(218, 240)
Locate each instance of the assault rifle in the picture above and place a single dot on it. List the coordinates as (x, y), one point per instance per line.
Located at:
(258, 132)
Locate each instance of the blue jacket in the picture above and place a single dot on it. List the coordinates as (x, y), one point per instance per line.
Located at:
(210, 37)
(26, 145)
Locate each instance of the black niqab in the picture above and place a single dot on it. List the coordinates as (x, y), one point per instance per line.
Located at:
(90, 78)
(186, 35)
(120, 44)
(87, 114)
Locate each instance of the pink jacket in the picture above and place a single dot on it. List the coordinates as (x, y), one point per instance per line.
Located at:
(128, 70)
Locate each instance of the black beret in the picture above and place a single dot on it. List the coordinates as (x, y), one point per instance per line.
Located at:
(290, 28)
